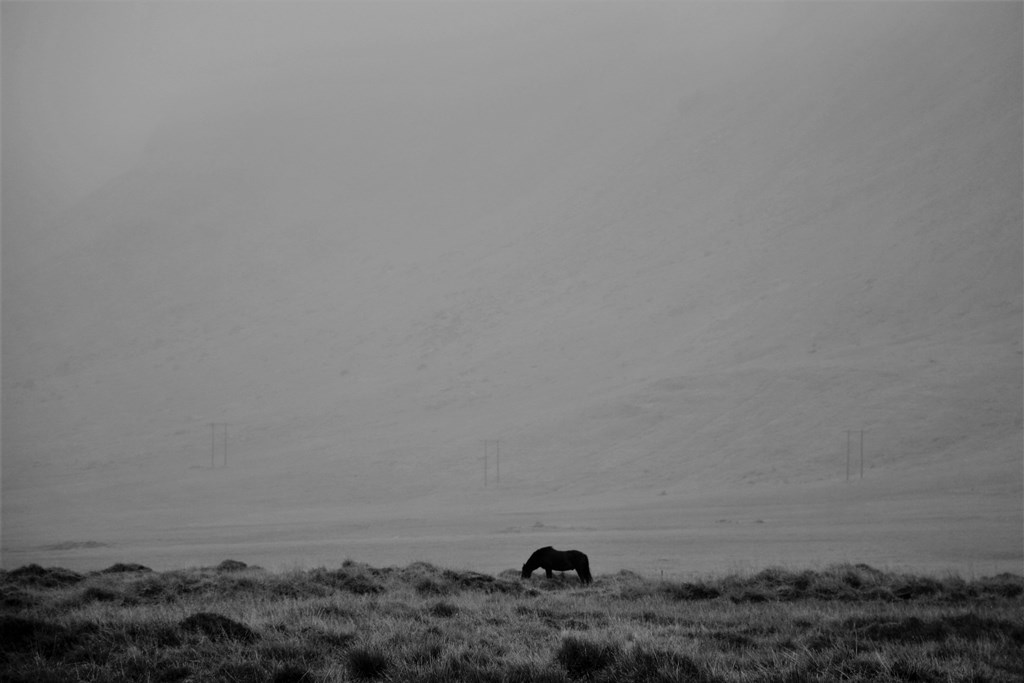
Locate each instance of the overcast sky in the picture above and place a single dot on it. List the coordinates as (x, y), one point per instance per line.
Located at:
(86, 84)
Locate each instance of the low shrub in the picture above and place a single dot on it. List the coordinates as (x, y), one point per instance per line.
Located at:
(36, 576)
(292, 674)
(367, 662)
(47, 638)
(100, 594)
(231, 566)
(690, 591)
(427, 586)
(122, 568)
(583, 657)
(349, 579)
(16, 599)
(19, 633)
(1002, 586)
(217, 627)
(913, 629)
(656, 666)
(444, 610)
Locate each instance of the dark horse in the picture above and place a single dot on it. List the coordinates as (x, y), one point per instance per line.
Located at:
(550, 560)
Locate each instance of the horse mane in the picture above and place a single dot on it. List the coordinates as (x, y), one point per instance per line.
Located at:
(541, 551)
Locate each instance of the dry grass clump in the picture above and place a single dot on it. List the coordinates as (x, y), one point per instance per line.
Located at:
(425, 623)
(848, 583)
(606, 659)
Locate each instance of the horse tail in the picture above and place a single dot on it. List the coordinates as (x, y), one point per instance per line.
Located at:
(584, 570)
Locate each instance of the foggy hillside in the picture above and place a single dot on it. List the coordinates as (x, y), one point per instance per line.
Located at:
(649, 248)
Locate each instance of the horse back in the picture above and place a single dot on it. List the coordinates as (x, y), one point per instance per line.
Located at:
(540, 555)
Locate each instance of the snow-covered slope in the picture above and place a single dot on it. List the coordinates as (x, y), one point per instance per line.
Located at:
(649, 247)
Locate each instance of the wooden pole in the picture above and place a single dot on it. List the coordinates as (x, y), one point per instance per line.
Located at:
(848, 455)
(862, 454)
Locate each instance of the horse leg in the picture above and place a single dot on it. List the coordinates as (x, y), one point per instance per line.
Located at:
(548, 573)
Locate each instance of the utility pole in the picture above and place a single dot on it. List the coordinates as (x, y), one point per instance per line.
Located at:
(847, 455)
(862, 454)
(849, 450)
(213, 443)
(497, 460)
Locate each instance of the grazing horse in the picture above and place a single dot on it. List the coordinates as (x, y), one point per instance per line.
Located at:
(550, 560)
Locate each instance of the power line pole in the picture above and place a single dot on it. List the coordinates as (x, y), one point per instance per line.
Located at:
(849, 452)
(848, 455)
(497, 460)
(862, 454)
(486, 444)
(213, 443)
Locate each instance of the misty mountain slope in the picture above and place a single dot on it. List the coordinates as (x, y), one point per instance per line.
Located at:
(646, 263)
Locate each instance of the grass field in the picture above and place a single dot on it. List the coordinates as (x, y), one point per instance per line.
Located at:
(424, 623)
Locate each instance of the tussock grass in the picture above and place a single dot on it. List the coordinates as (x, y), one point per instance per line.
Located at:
(234, 622)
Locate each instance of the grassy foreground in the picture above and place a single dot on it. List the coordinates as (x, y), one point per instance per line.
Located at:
(424, 623)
